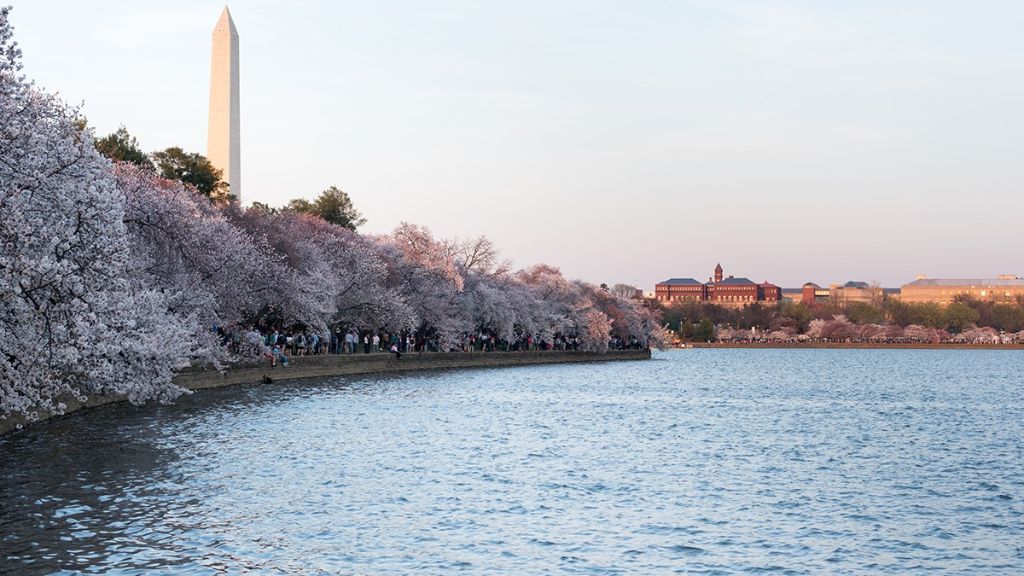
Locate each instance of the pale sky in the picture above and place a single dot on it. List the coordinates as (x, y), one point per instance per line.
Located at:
(623, 141)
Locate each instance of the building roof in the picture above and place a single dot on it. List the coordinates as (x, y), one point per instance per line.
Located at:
(964, 282)
(767, 284)
(812, 284)
(680, 282)
(736, 281)
(853, 284)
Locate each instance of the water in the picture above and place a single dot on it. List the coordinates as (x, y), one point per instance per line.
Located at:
(700, 461)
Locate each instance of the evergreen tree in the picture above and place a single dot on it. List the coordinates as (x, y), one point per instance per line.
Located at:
(120, 146)
(195, 170)
(336, 207)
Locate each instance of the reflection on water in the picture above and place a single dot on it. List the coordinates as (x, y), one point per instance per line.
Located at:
(701, 461)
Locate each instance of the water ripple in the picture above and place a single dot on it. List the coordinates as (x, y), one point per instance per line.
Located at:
(698, 462)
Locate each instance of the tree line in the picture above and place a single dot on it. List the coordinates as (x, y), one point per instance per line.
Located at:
(698, 321)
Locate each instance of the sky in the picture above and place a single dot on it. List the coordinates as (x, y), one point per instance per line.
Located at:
(622, 141)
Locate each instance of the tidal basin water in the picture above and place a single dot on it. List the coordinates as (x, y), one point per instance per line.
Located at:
(696, 462)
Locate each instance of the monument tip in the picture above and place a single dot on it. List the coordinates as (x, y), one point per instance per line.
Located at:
(226, 19)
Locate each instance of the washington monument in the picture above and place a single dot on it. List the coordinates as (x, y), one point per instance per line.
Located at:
(222, 140)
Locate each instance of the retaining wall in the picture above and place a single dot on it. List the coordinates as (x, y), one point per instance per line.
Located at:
(351, 364)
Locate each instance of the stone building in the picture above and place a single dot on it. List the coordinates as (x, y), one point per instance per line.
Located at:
(1003, 288)
(792, 295)
(856, 292)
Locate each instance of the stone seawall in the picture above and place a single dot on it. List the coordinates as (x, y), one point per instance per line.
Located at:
(349, 365)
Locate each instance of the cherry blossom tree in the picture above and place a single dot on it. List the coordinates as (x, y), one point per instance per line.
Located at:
(70, 324)
(596, 327)
(321, 274)
(211, 273)
(422, 270)
(924, 334)
(478, 255)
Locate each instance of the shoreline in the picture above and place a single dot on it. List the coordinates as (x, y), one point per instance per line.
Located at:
(852, 345)
(304, 367)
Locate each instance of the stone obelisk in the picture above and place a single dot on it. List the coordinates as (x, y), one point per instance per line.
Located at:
(222, 140)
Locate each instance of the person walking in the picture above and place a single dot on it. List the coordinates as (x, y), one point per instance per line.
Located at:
(279, 357)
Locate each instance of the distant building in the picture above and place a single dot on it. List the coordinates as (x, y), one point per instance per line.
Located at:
(769, 292)
(811, 294)
(1003, 288)
(719, 289)
(856, 292)
(732, 291)
(679, 290)
(792, 294)
(853, 291)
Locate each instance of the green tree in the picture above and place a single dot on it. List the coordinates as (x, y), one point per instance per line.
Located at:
(300, 205)
(262, 207)
(798, 313)
(336, 207)
(959, 316)
(120, 146)
(333, 205)
(1007, 317)
(864, 313)
(685, 330)
(903, 314)
(755, 315)
(193, 169)
(705, 331)
(931, 315)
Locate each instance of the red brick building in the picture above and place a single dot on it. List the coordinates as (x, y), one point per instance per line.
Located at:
(769, 292)
(732, 291)
(721, 290)
(808, 293)
(814, 294)
(679, 290)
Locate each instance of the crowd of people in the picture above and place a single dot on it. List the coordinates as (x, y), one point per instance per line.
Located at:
(277, 347)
